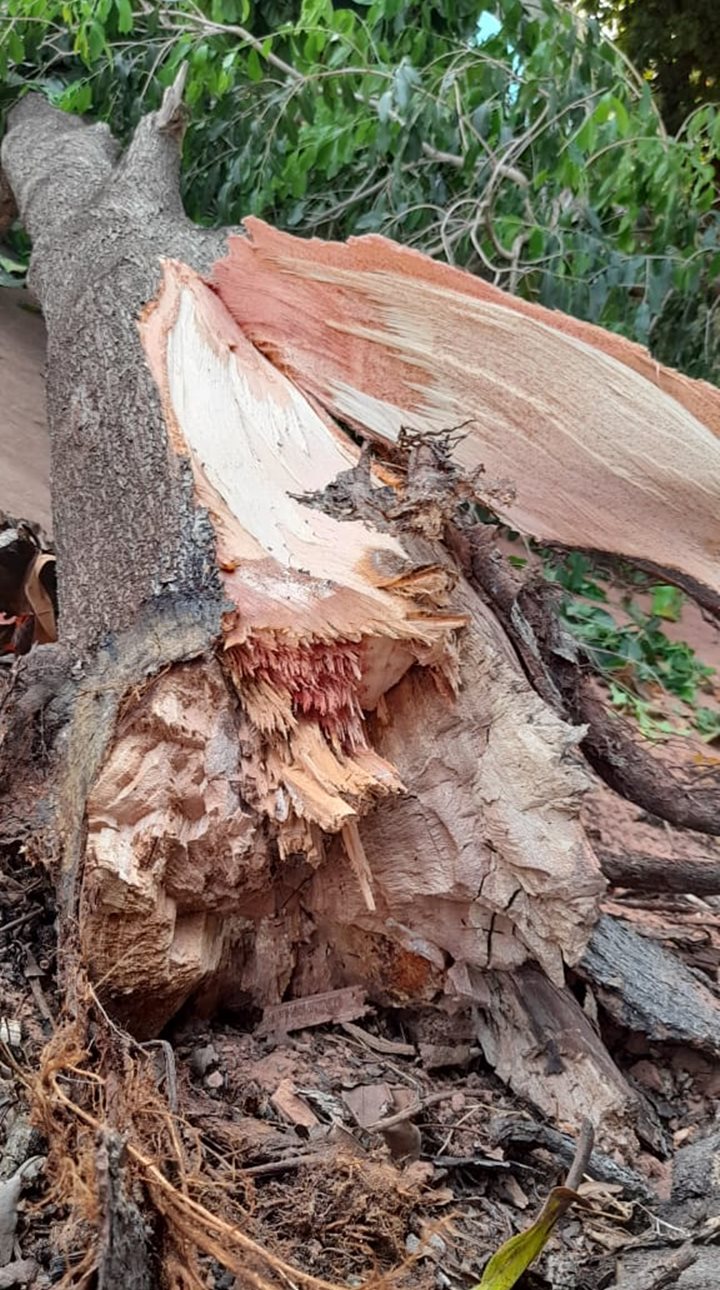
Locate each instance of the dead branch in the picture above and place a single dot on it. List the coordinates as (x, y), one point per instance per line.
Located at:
(527, 1134)
(673, 1270)
(407, 1112)
(706, 597)
(699, 876)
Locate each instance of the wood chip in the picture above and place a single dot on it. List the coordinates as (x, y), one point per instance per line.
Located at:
(437, 1056)
(317, 1010)
(10, 1032)
(368, 1103)
(21, 1272)
(291, 1107)
(378, 1043)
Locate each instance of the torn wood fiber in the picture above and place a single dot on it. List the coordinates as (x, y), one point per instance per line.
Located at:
(605, 448)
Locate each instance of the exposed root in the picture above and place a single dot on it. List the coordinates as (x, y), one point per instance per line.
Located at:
(95, 1084)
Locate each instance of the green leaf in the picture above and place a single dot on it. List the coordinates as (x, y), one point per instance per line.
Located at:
(77, 97)
(96, 41)
(384, 106)
(7, 280)
(10, 265)
(515, 1256)
(15, 45)
(667, 602)
(254, 66)
(125, 15)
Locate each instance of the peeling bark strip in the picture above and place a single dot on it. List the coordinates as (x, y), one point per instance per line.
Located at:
(604, 448)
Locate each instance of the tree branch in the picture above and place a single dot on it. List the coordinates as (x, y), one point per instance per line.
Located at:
(54, 163)
(150, 169)
(681, 874)
(126, 527)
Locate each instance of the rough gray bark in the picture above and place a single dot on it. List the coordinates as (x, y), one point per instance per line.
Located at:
(126, 529)
(695, 1194)
(688, 1268)
(136, 567)
(648, 990)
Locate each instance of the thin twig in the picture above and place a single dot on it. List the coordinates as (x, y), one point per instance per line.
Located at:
(170, 1069)
(583, 1152)
(280, 1166)
(408, 1112)
(21, 921)
(671, 1272)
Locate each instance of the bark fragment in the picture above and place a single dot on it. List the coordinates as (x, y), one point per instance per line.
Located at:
(648, 990)
(541, 1043)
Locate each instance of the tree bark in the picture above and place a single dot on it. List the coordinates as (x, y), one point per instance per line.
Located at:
(126, 529)
(699, 875)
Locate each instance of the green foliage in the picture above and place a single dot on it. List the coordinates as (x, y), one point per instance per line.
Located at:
(533, 155)
(12, 271)
(516, 1255)
(677, 46)
(643, 667)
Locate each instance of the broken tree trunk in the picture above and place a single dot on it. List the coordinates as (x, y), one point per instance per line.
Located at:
(234, 642)
(289, 748)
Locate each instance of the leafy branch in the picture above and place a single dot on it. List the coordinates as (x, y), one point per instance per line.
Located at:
(534, 155)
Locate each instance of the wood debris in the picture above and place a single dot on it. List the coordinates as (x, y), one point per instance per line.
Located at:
(314, 1010)
(291, 1107)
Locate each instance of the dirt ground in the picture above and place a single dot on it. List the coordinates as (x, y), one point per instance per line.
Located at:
(284, 1124)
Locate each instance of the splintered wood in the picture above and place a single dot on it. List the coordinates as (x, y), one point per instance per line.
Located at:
(422, 798)
(313, 635)
(605, 449)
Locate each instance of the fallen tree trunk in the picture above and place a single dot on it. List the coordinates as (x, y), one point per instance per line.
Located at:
(282, 746)
(190, 776)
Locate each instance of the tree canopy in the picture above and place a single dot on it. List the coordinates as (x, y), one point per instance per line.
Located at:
(527, 149)
(676, 45)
